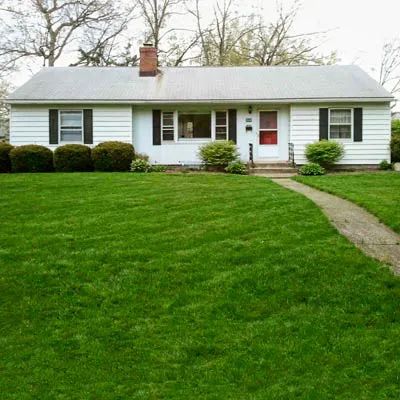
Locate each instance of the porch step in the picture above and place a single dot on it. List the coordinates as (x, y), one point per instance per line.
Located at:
(276, 175)
(273, 169)
(279, 169)
(271, 164)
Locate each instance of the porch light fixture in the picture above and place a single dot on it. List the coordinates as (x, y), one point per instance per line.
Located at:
(250, 109)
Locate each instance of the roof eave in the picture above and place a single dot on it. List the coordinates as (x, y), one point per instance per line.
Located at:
(207, 101)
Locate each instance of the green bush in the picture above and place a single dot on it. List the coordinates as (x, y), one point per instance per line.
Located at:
(5, 163)
(385, 165)
(73, 158)
(236, 167)
(113, 156)
(31, 158)
(396, 127)
(140, 165)
(325, 153)
(218, 153)
(312, 169)
(395, 147)
(158, 168)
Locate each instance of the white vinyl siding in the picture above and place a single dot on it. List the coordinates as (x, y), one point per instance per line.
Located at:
(304, 129)
(30, 124)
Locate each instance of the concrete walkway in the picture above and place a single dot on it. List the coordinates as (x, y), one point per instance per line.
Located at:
(358, 225)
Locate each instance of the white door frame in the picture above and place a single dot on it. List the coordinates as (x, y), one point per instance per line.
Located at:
(268, 151)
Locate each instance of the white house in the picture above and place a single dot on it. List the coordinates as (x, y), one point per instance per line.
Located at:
(169, 112)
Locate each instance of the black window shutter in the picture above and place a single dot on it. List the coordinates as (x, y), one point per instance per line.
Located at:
(88, 126)
(53, 126)
(358, 124)
(156, 127)
(232, 125)
(323, 123)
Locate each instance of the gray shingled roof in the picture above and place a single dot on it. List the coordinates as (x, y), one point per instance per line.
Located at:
(197, 84)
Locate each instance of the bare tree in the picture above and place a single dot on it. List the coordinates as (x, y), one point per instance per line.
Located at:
(219, 40)
(103, 54)
(44, 28)
(107, 44)
(178, 50)
(156, 14)
(389, 72)
(235, 39)
(276, 44)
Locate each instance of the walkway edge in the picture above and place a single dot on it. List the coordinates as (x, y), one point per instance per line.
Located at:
(362, 228)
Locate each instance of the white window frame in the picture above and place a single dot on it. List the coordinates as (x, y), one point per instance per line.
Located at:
(268, 130)
(169, 127)
(215, 126)
(339, 124)
(60, 127)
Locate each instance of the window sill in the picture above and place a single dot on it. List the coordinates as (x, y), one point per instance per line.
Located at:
(190, 141)
(195, 140)
(349, 140)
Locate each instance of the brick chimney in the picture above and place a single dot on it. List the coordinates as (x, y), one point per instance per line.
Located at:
(148, 60)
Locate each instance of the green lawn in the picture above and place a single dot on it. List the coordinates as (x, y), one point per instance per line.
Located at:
(378, 193)
(125, 286)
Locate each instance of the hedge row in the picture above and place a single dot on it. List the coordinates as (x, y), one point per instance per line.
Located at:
(107, 156)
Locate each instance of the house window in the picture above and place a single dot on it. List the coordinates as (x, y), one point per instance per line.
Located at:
(71, 126)
(340, 123)
(194, 126)
(268, 127)
(221, 125)
(167, 126)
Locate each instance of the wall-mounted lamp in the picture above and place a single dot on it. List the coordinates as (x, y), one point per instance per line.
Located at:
(250, 109)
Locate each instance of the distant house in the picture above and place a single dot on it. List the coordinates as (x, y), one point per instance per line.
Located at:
(169, 112)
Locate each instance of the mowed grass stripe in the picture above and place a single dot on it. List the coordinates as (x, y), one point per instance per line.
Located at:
(186, 286)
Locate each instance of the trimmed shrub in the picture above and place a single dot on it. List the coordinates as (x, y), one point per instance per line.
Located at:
(113, 156)
(72, 158)
(236, 167)
(218, 154)
(5, 163)
(141, 165)
(312, 169)
(395, 147)
(31, 158)
(385, 165)
(325, 153)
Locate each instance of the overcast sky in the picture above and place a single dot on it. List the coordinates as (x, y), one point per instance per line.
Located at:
(356, 29)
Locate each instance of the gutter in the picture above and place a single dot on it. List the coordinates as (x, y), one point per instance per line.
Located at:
(210, 101)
